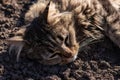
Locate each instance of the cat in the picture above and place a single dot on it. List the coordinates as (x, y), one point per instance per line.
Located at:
(57, 29)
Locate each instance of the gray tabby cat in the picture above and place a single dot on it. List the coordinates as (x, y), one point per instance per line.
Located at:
(58, 29)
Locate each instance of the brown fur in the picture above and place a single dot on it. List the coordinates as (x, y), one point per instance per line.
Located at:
(58, 28)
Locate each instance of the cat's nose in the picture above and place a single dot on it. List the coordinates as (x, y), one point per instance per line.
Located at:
(67, 52)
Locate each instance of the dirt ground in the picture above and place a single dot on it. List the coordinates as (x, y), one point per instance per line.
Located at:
(99, 61)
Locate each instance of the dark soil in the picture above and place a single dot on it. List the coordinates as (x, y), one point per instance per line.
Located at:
(99, 61)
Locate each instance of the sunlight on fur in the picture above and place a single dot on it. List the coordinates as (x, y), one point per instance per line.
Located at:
(58, 29)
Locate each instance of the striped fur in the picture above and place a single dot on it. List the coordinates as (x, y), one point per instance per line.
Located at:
(58, 28)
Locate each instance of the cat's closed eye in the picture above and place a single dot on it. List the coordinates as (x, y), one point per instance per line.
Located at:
(67, 42)
(60, 37)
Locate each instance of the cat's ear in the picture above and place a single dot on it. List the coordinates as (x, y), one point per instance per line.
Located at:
(53, 14)
(44, 15)
(49, 13)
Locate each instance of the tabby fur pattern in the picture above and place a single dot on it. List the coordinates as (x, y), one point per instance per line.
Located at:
(58, 29)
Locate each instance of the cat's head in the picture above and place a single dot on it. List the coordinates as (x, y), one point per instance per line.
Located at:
(50, 38)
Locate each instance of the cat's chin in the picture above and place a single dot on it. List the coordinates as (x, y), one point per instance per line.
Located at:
(68, 60)
(52, 61)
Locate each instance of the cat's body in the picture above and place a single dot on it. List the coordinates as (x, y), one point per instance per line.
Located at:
(57, 28)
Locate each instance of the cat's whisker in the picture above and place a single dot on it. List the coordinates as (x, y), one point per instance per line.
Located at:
(19, 49)
(11, 48)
